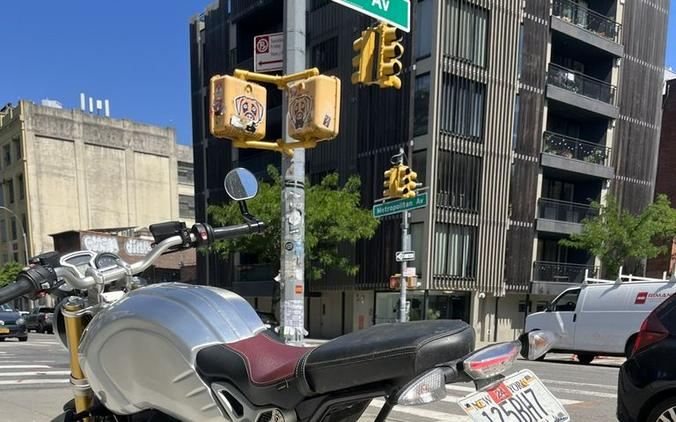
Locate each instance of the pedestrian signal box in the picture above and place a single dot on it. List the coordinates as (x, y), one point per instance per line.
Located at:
(237, 109)
(314, 108)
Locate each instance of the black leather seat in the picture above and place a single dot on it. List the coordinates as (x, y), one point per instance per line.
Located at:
(269, 372)
(388, 352)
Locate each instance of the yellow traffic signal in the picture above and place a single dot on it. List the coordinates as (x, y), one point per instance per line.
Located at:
(314, 108)
(390, 184)
(412, 184)
(362, 63)
(390, 51)
(237, 109)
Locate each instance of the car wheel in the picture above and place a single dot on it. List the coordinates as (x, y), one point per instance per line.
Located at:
(2, 339)
(665, 411)
(586, 359)
(541, 358)
(23, 338)
(41, 328)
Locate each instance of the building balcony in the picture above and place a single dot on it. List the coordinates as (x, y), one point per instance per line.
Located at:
(562, 217)
(568, 154)
(552, 278)
(588, 26)
(581, 91)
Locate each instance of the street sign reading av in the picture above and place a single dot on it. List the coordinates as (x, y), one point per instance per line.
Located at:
(394, 12)
(400, 205)
(405, 256)
(269, 52)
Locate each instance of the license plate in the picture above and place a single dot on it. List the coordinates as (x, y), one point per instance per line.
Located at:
(520, 397)
(4, 330)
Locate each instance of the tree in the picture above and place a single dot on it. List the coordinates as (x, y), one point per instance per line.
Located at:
(333, 217)
(9, 273)
(619, 237)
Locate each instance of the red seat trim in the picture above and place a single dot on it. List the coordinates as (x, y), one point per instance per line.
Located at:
(268, 361)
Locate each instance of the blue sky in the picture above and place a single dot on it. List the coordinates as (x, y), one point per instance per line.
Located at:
(136, 53)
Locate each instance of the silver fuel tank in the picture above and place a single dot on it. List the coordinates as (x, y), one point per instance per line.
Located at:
(140, 352)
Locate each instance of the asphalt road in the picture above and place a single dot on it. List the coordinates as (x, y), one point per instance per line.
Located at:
(34, 386)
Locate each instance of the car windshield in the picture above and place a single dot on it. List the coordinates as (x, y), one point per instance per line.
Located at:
(6, 308)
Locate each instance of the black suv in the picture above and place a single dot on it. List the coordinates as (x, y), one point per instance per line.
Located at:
(647, 384)
(40, 319)
(12, 324)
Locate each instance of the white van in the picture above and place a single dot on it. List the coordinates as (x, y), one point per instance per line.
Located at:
(601, 317)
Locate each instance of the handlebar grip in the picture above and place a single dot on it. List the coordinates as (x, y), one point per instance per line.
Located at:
(23, 286)
(230, 232)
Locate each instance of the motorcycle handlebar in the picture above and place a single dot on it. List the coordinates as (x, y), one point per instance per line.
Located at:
(230, 232)
(15, 290)
(29, 282)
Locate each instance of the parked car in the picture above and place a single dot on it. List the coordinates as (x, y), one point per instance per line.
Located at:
(647, 382)
(40, 319)
(602, 318)
(12, 324)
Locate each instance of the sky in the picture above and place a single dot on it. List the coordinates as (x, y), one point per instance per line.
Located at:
(134, 53)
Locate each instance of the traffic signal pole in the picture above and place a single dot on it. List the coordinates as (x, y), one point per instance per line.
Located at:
(405, 246)
(292, 271)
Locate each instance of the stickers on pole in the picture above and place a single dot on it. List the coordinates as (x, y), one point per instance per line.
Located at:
(237, 109)
(314, 108)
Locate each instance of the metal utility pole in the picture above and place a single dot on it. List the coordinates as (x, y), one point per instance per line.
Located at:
(292, 270)
(405, 246)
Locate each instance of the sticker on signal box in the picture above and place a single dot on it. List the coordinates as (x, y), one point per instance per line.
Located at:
(520, 397)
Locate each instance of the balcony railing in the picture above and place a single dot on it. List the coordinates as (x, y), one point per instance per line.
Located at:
(577, 149)
(580, 83)
(561, 272)
(588, 19)
(569, 212)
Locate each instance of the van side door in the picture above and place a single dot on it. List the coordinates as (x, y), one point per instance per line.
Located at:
(562, 311)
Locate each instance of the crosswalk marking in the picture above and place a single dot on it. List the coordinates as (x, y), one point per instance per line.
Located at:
(582, 384)
(33, 373)
(24, 366)
(455, 399)
(425, 413)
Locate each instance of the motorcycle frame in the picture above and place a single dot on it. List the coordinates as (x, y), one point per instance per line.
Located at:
(82, 392)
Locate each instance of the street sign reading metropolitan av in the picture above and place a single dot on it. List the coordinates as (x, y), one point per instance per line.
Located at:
(400, 205)
(395, 12)
(269, 52)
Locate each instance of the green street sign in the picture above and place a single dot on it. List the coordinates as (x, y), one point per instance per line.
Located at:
(394, 12)
(400, 205)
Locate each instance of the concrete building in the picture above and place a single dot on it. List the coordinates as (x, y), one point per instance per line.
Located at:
(67, 170)
(522, 113)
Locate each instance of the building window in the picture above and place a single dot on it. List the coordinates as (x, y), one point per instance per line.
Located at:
(465, 34)
(10, 190)
(455, 250)
(325, 54)
(19, 181)
(16, 145)
(423, 36)
(186, 206)
(417, 238)
(24, 221)
(420, 165)
(14, 232)
(459, 181)
(462, 107)
(7, 155)
(520, 53)
(421, 105)
(186, 173)
(3, 230)
(517, 116)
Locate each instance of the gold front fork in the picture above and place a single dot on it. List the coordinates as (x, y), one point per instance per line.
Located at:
(74, 327)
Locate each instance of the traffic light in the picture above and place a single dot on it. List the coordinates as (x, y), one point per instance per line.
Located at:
(404, 182)
(390, 184)
(314, 108)
(411, 184)
(237, 109)
(390, 51)
(362, 63)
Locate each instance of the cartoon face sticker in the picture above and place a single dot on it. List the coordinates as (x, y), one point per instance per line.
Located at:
(300, 109)
(249, 109)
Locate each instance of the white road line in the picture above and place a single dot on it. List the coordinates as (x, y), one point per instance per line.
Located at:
(417, 411)
(455, 399)
(546, 381)
(34, 381)
(553, 389)
(33, 373)
(24, 367)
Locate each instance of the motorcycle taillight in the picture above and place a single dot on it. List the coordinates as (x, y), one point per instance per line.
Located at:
(491, 360)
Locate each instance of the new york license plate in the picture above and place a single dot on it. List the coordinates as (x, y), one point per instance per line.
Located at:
(520, 397)
(4, 330)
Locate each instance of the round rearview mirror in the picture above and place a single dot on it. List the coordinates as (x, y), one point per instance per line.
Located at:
(241, 184)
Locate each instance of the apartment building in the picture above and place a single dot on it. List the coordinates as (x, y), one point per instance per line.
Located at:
(521, 114)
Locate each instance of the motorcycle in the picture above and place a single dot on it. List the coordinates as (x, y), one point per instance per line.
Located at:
(179, 352)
